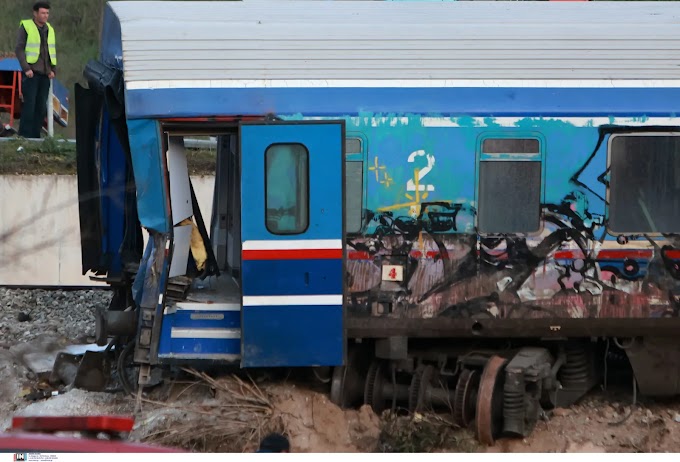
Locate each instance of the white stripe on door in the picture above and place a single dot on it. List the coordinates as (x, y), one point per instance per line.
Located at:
(278, 300)
(293, 244)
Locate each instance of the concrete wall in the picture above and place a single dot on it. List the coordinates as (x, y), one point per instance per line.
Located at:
(40, 229)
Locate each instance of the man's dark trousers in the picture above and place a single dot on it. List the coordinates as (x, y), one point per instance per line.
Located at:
(34, 109)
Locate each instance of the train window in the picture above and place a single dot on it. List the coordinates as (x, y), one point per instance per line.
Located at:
(509, 197)
(354, 189)
(644, 188)
(287, 188)
(353, 146)
(510, 146)
(354, 183)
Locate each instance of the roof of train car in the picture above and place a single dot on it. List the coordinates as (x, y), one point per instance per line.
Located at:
(207, 44)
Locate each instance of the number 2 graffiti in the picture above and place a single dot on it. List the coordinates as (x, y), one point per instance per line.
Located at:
(414, 184)
(420, 173)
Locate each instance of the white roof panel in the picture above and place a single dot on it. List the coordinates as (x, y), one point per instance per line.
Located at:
(222, 41)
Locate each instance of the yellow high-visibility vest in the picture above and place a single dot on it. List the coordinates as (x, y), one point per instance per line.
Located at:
(33, 42)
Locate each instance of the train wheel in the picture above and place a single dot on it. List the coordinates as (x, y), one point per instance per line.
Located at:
(490, 401)
(465, 397)
(373, 389)
(418, 391)
(346, 382)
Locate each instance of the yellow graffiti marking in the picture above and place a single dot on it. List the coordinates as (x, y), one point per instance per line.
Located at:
(415, 200)
(387, 181)
(376, 168)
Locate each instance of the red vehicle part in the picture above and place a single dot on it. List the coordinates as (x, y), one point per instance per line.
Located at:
(90, 424)
(28, 435)
(31, 442)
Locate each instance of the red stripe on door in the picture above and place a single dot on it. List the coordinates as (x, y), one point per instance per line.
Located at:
(292, 254)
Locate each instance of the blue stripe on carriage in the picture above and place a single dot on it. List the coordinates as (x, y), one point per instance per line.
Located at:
(311, 335)
(293, 277)
(199, 346)
(455, 101)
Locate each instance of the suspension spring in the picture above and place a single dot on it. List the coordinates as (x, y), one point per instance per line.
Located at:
(576, 370)
(513, 404)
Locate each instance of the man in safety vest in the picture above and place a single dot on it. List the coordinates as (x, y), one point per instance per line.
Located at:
(37, 53)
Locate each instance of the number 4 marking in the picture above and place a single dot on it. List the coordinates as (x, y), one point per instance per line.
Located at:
(410, 185)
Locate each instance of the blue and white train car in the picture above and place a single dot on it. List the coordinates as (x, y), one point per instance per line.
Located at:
(457, 202)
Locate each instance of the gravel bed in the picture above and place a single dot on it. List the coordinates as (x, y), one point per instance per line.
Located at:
(28, 314)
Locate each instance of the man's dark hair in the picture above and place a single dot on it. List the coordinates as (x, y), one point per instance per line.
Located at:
(38, 5)
(274, 442)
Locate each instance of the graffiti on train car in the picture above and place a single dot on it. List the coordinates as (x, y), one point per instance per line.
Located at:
(572, 267)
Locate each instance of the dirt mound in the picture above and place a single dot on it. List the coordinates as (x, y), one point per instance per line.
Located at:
(602, 423)
(314, 424)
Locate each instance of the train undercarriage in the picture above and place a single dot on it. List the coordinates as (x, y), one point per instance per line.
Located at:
(497, 389)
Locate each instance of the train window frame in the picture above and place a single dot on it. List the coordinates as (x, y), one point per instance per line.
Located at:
(611, 178)
(513, 153)
(530, 157)
(357, 157)
(306, 215)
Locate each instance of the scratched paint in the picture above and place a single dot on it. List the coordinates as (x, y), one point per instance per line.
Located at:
(421, 179)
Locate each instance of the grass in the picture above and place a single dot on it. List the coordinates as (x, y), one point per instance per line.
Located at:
(201, 161)
(57, 157)
(50, 157)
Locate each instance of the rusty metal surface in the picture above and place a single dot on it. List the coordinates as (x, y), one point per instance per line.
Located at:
(489, 417)
(379, 327)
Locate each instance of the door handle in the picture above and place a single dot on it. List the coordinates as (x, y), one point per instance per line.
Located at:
(307, 278)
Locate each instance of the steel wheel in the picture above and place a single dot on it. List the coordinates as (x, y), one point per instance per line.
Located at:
(490, 401)
(346, 383)
(373, 390)
(465, 397)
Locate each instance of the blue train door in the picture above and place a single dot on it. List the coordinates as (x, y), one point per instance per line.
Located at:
(292, 225)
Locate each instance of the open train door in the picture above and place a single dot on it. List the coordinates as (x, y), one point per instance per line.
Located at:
(292, 229)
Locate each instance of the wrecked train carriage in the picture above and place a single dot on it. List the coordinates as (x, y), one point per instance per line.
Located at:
(440, 219)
